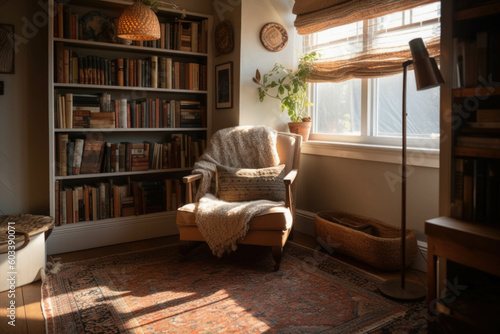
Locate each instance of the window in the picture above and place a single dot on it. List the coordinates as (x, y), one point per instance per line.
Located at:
(368, 110)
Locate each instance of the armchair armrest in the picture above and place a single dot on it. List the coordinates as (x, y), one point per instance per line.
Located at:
(192, 177)
(188, 180)
(288, 180)
(290, 177)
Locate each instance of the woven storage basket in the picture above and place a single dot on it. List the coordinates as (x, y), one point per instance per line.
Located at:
(381, 248)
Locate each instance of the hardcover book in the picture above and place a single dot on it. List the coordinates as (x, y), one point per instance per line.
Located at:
(92, 156)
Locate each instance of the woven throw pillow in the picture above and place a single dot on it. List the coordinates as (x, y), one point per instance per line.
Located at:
(243, 184)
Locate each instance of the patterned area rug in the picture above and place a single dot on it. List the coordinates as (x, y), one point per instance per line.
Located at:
(153, 291)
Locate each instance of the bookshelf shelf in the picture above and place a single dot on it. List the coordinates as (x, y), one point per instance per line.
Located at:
(128, 88)
(128, 48)
(477, 91)
(92, 234)
(478, 12)
(110, 115)
(118, 130)
(116, 174)
(475, 152)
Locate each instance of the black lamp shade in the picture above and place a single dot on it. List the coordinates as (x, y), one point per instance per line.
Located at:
(427, 74)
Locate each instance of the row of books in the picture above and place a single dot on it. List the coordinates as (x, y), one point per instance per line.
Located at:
(476, 60)
(477, 190)
(184, 35)
(103, 200)
(150, 72)
(89, 155)
(100, 111)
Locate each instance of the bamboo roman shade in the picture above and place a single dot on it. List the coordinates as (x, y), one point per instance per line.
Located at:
(318, 15)
(365, 38)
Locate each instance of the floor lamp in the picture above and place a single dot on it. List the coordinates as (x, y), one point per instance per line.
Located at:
(427, 75)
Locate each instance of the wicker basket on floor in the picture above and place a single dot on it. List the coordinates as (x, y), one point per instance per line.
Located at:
(378, 246)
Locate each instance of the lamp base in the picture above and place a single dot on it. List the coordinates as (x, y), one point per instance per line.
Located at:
(412, 291)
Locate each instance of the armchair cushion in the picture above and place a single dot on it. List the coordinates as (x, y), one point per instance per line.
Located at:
(245, 184)
(277, 218)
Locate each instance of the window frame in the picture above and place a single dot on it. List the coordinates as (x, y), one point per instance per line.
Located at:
(367, 145)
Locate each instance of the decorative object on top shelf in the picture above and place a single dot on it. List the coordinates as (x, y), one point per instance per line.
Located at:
(224, 86)
(291, 89)
(223, 38)
(139, 21)
(273, 36)
(427, 75)
(96, 26)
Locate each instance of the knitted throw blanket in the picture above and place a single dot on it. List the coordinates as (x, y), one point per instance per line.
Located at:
(223, 223)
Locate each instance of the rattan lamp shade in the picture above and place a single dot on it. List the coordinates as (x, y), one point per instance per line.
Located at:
(138, 22)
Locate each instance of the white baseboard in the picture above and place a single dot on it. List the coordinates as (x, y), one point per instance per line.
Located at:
(92, 234)
(304, 223)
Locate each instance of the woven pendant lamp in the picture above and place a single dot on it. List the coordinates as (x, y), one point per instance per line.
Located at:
(139, 23)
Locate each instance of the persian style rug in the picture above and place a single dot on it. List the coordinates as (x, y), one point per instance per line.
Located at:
(155, 291)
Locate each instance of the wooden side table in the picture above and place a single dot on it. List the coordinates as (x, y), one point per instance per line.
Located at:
(471, 244)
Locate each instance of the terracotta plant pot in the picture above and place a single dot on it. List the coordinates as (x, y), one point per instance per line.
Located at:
(301, 128)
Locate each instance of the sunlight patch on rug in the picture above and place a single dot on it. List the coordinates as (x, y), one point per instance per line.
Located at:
(153, 292)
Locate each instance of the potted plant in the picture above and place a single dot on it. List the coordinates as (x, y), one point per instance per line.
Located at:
(291, 89)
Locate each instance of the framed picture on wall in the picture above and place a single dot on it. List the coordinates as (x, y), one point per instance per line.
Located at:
(224, 86)
(6, 48)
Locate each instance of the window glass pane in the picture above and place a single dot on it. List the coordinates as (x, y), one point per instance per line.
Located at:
(337, 107)
(389, 21)
(389, 30)
(426, 12)
(422, 108)
(336, 41)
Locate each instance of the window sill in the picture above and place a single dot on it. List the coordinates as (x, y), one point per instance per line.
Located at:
(388, 154)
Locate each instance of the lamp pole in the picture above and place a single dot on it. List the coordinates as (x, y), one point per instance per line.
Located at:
(396, 289)
(403, 176)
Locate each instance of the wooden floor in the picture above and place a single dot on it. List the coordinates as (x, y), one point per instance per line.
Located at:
(29, 316)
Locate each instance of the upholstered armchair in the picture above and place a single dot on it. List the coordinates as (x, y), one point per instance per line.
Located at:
(274, 223)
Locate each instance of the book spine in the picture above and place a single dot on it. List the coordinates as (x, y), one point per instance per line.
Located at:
(59, 62)
(154, 71)
(120, 72)
(77, 161)
(69, 110)
(58, 211)
(60, 22)
(122, 113)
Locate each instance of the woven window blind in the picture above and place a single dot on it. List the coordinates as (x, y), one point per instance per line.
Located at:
(354, 46)
(318, 15)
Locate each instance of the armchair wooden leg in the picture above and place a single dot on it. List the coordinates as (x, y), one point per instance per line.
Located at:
(277, 254)
(186, 246)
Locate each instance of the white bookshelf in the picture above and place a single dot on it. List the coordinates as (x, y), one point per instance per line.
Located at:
(97, 233)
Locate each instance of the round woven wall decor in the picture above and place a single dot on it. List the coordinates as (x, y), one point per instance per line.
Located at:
(223, 38)
(273, 36)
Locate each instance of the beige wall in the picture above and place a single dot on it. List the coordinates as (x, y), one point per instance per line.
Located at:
(360, 187)
(24, 163)
(229, 11)
(255, 14)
